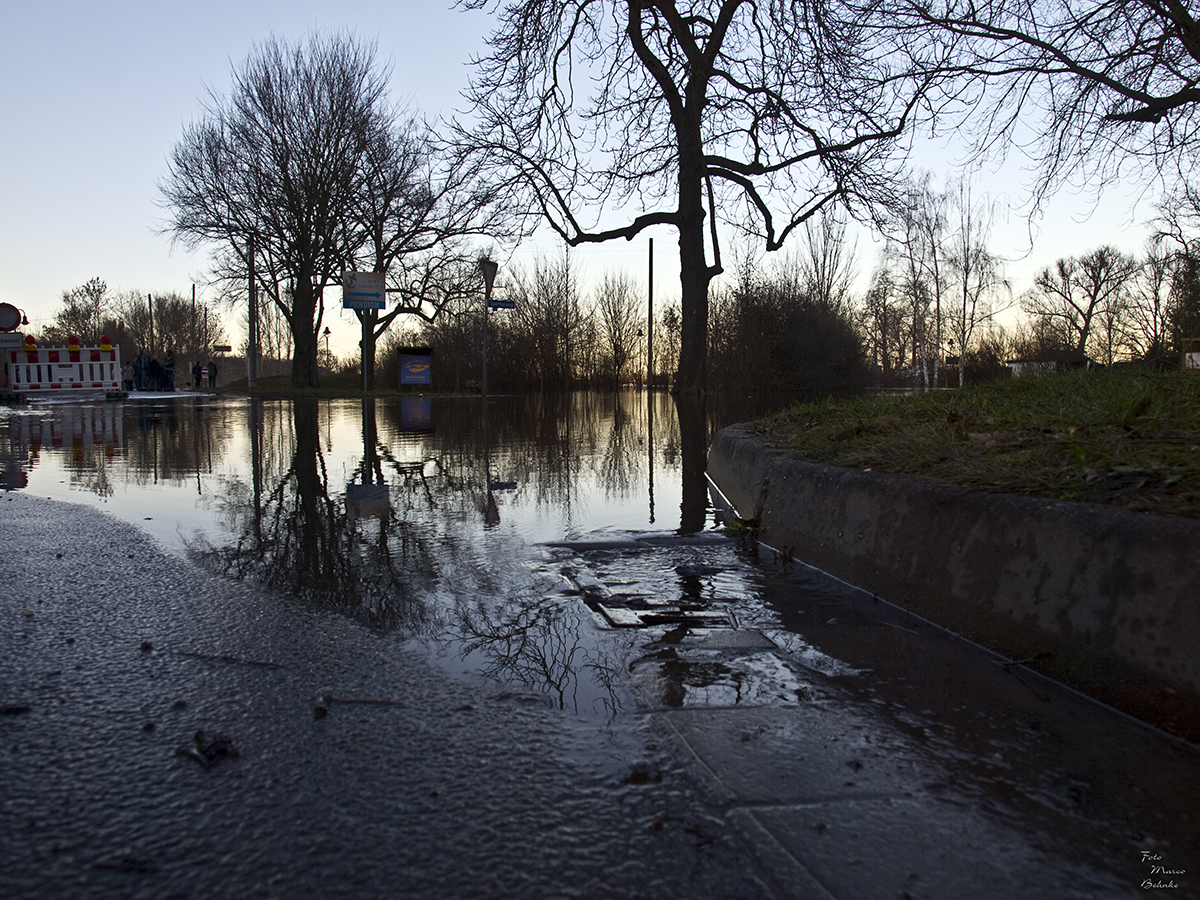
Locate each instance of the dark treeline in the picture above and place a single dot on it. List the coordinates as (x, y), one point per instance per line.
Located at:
(771, 330)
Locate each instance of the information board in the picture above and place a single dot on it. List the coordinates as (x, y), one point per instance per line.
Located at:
(363, 290)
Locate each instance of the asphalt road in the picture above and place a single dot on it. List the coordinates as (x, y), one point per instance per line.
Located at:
(406, 782)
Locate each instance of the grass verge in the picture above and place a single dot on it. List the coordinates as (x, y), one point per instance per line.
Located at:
(1126, 438)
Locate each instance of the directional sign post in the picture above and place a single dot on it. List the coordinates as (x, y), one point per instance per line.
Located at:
(489, 269)
(363, 290)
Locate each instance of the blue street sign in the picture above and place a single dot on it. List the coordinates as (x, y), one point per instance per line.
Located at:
(502, 304)
(364, 290)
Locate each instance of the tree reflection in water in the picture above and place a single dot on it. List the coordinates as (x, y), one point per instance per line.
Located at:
(292, 532)
(549, 645)
(390, 527)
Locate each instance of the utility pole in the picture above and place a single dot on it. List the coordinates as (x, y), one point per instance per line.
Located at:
(650, 326)
(150, 306)
(252, 343)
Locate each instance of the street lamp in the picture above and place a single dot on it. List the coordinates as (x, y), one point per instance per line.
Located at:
(325, 334)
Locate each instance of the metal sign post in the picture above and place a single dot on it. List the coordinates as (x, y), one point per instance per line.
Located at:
(364, 291)
(489, 277)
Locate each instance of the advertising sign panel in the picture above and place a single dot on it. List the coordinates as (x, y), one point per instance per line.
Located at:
(363, 290)
(416, 366)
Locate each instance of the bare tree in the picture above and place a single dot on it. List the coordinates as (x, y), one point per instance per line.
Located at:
(827, 261)
(617, 303)
(550, 317)
(1146, 329)
(666, 344)
(916, 249)
(1185, 300)
(1077, 290)
(883, 320)
(86, 310)
(1102, 82)
(274, 333)
(976, 273)
(757, 115)
(414, 211)
(276, 165)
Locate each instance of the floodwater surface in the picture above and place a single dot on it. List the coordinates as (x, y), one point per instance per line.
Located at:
(420, 516)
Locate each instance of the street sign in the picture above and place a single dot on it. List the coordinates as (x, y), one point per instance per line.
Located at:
(363, 290)
(10, 340)
(10, 317)
(502, 304)
(221, 348)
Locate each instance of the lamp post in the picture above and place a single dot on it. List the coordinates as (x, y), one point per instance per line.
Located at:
(325, 334)
(489, 277)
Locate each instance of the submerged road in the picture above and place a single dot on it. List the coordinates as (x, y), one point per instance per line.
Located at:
(169, 733)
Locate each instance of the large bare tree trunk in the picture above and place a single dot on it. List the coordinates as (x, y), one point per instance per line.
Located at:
(694, 273)
(304, 337)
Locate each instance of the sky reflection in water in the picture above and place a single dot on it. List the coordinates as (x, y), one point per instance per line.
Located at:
(419, 516)
(558, 466)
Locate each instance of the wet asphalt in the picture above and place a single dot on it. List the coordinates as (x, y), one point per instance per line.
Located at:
(790, 738)
(334, 762)
(863, 752)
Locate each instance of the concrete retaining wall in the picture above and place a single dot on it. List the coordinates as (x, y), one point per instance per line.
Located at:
(1108, 600)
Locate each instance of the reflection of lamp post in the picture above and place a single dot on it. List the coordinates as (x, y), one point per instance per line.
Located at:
(325, 334)
(642, 334)
(489, 277)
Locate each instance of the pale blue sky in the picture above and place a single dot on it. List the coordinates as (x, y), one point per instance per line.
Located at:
(95, 96)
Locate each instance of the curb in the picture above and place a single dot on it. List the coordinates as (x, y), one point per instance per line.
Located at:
(1103, 600)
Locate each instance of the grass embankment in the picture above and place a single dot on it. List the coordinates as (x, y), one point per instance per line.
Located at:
(1120, 438)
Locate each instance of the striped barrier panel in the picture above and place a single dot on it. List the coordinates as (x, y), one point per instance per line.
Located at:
(57, 368)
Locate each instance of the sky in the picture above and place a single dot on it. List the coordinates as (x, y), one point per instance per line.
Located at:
(96, 96)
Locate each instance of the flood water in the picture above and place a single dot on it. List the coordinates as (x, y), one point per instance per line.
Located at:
(421, 516)
(566, 545)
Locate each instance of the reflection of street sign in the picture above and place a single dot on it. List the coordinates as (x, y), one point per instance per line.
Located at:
(363, 290)
(502, 304)
(416, 414)
(502, 486)
(363, 500)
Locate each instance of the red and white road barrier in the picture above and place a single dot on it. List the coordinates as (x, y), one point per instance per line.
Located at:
(69, 368)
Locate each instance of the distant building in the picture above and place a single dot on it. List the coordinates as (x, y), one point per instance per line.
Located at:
(1050, 361)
